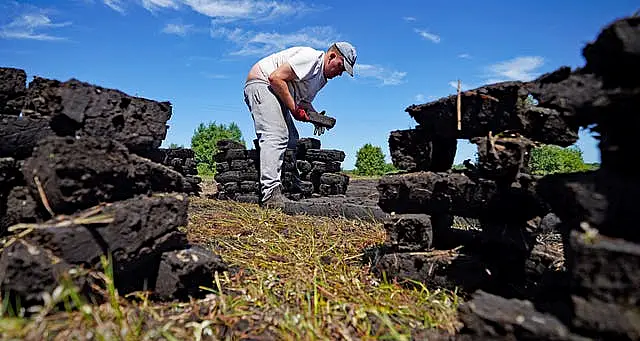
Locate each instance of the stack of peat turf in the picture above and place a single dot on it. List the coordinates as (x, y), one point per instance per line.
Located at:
(181, 160)
(307, 171)
(74, 188)
(597, 294)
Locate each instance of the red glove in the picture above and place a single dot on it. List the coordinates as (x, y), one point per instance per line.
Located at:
(300, 114)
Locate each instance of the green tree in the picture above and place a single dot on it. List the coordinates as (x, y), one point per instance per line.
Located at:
(550, 159)
(204, 140)
(370, 161)
(459, 166)
(175, 146)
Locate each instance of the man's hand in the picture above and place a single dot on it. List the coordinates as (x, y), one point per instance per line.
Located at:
(319, 130)
(300, 114)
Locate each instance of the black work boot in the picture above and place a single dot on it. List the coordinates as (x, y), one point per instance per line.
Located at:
(276, 200)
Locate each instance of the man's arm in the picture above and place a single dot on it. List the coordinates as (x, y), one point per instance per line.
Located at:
(308, 106)
(278, 81)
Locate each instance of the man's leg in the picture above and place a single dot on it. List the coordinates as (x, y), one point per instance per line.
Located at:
(293, 142)
(272, 132)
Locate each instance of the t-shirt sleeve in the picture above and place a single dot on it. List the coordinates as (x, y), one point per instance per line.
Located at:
(304, 63)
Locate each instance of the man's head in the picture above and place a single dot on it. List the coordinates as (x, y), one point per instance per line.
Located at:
(340, 56)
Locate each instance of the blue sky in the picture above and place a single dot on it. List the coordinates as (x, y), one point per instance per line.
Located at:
(196, 53)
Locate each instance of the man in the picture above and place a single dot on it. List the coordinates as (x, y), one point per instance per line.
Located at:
(283, 85)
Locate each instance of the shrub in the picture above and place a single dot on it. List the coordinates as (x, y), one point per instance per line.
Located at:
(204, 142)
(550, 159)
(370, 161)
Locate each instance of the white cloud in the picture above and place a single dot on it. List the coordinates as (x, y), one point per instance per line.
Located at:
(115, 5)
(429, 36)
(409, 19)
(225, 11)
(464, 56)
(263, 43)
(27, 26)
(178, 29)
(152, 5)
(388, 77)
(516, 69)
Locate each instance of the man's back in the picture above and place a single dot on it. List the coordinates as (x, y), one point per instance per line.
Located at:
(301, 58)
(307, 63)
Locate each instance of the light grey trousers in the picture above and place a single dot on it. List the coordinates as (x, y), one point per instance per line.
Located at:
(275, 131)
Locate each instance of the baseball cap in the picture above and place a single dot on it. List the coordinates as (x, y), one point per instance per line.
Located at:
(349, 53)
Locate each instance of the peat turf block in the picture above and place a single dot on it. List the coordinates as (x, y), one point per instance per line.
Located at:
(334, 209)
(288, 166)
(604, 268)
(182, 272)
(13, 88)
(236, 176)
(496, 107)
(231, 187)
(416, 150)
(10, 177)
(9, 174)
(248, 198)
(249, 187)
(226, 144)
(615, 55)
(503, 158)
(222, 167)
(18, 135)
(246, 164)
(443, 152)
(322, 120)
(21, 208)
(409, 232)
(491, 317)
(164, 155)
(78, 173)
(231, 154)
(457, 194)
(27, 270)
(304, 166)
(434, 269)
(605, 321)
(135, 231)
(584, 100)
(325, 167)
(305, 144)
(325, 155)
(87, 110)
(333, 183)
(599, 199)
(410, 149)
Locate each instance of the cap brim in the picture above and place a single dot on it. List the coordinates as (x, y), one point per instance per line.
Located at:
(348, 68)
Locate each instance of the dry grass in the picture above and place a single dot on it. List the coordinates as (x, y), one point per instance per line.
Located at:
(293, 278)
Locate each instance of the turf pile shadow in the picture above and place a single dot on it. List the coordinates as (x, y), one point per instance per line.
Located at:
(82, 176)
(518, 292)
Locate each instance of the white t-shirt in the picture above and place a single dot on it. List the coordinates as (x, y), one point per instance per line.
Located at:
(307, 64)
